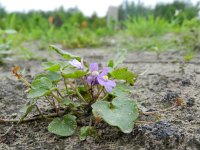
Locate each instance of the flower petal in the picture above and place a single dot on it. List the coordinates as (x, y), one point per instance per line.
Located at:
(94, 67)
(76, 64)
(111, 83)
(104, 72)
(101, 81)
(108, 88)
(90, 79)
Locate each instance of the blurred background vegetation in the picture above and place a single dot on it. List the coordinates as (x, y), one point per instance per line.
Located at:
(167, 26)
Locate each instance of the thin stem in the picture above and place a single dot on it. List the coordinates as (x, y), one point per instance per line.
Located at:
(89, 91)
(52, 104)
(83, 81)
(144, 122)
(58, 102)
(65, 83)
(8, 131)
(100, 91)
(92, 92)
(90, 123)
(106, 95)
(56, 97)
(87, 88)
(153, 112)
(59, 93)
(80, 96)
(38, 109)
(72, 86)
(25, 82)
(49, 116)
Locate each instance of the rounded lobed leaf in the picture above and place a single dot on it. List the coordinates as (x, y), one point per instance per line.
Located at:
(42, 82)
(121, 112)
(124, 74)
(53, 76)
(53, 66)
(121, 90)
(71, 72)
(65, 127)
(87, 131)
(40, 87)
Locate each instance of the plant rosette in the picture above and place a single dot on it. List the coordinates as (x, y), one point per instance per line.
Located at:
(76, 89)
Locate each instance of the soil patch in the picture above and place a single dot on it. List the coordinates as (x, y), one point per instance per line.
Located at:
(161, 81)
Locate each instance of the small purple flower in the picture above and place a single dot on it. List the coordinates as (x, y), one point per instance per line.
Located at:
(94, 67)
(104, 81)
(76, 63)
(102, 78)
(94, 70)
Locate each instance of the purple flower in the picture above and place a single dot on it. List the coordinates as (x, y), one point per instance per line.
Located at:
(94, 70)
(76, 63)
(104, 81)
(102, 78)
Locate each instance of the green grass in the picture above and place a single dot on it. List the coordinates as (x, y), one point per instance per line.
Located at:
(146, 27)
(139, 33)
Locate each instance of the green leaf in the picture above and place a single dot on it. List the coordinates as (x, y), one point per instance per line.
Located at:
(53, 66)
(121, 90)
(119, 58)
(124, 74)
(35, 93)
(43, 82)
(110, 63)
(68, 102)
(121, 112)
(87, 131)
(71, 72)
(64, 54)
(53, 76)
(83, 91)
(40, 87)
(65, 127)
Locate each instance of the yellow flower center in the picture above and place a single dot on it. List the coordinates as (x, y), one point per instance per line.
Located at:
(105, 78)
(95, 73)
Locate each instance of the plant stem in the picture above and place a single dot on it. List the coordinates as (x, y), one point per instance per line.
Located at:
(56, 97)
(100, 91)
(78, 93)
(92, 92)
(153, 112)
(49, 116)
(25, 82)
(106, 95)
(8, 131)
(38, 109)
(59, 93)
(90, 123)
(71, 85)
(80, 96)
(58, 101)
(87, 88)
(52, 104)
(144, 122)
(65, 83)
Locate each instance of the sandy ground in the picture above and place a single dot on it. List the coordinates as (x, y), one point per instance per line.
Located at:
(162, 80)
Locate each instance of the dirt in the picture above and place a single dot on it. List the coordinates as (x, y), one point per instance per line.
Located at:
(161, 81)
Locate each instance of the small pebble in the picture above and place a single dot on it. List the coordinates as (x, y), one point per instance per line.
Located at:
(185, 82)
(190, 102)
(170, 96)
